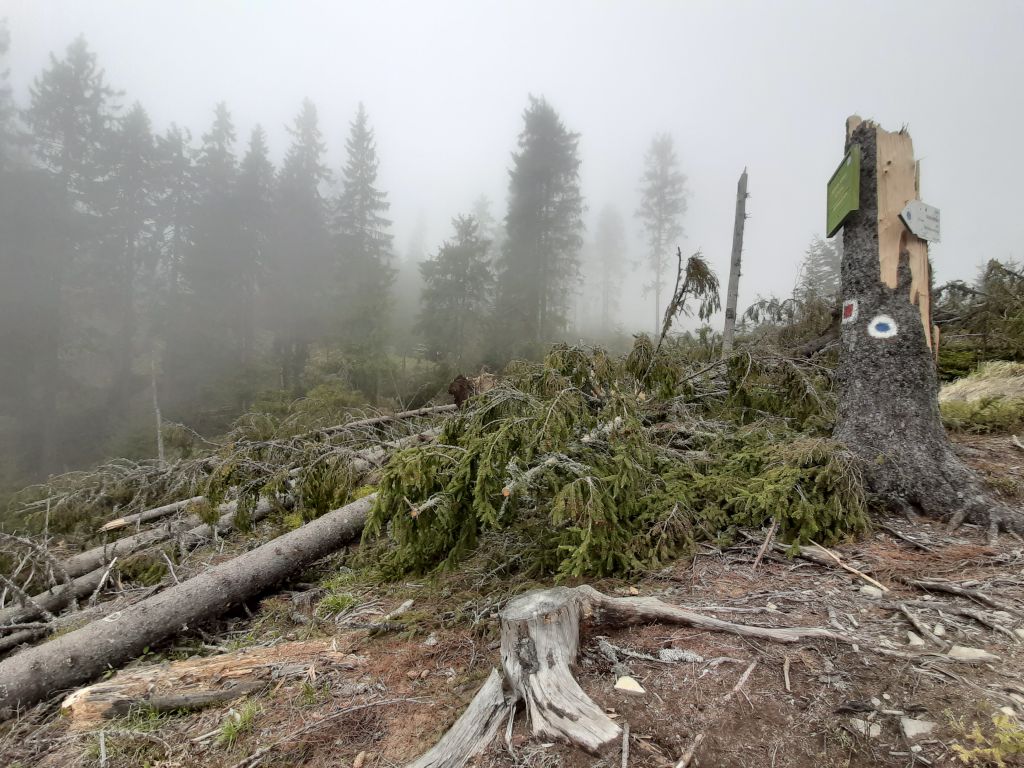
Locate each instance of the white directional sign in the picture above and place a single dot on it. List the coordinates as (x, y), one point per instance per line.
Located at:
(922, 220)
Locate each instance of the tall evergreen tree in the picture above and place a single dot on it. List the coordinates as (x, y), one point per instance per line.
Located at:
(610, 263)
(456, 295)
(491, 230)
(8, 111)
(254, 198)
(300, 268)
(130, 243)
(215, 271)
(365, 244)
(540, 258)
(662, 205)
(70, 115)
(819, 272)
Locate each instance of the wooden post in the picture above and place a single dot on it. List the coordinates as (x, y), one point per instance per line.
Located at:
(734, 269)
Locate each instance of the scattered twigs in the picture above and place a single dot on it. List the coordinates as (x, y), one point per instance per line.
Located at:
(785, 674)
(767, 543)
(687, 757)
(950, 588)
(922, 628)
(848, 568)
(26, 599)
(625, 745)
(742, 681)
(903, 537)
(103, 580)
(256, 756)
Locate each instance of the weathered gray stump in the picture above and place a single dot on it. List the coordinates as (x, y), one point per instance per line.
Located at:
(887, 384)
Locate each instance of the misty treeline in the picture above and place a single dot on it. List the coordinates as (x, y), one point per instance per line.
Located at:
(144, 270)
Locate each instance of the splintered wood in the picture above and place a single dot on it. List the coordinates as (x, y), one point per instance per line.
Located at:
(201, 682)
(898, 184)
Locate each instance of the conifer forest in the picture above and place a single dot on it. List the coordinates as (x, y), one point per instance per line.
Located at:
(519, 385)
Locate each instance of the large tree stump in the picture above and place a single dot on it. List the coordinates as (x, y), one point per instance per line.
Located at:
(887, 384)
(540, 641)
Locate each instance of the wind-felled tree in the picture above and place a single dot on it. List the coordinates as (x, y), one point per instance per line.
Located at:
(662, 206)
(540, 258)
(364, 266)
(456, 296)
(609, 263)
(301, 263)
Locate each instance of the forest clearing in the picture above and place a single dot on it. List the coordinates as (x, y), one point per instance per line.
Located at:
(273, 493)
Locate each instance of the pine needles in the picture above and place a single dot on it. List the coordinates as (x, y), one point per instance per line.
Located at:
(597, 474)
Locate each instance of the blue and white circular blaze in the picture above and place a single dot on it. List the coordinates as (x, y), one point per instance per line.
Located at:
(882, 327)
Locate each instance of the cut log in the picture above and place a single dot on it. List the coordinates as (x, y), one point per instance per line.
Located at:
(57, 599)
(540, 639)
(199, 682)
(80, 656)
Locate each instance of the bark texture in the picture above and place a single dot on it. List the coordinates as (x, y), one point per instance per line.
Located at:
(80, 656)
(887, 384)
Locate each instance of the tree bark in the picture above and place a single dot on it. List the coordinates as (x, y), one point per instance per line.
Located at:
(734, 270)
(80, 656)
(887, 385)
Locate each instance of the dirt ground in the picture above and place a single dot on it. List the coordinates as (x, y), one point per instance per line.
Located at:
(807, 704)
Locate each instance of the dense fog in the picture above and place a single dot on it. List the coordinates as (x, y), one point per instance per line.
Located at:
(215, 206)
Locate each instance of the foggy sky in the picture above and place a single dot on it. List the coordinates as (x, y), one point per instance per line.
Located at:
(766, 85)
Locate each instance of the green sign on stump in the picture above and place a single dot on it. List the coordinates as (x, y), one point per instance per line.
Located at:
(843, 191)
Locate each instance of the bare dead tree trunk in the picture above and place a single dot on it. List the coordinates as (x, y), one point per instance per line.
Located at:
(887, 385)
(734, 270)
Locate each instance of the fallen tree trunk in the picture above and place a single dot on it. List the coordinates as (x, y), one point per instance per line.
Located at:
(376, 421)
(540, 639)
(80, 656)
(199, 682)
(55, 600)
(150, 514)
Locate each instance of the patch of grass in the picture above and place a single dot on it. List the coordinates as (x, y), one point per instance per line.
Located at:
(987, 414)
(336, 604)
(991, 746)
(238, 723)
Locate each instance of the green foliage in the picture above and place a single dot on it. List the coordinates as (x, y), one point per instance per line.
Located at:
(983, 415)
(335, 604)
(238, 722)
(1003, 742)
(562, 454)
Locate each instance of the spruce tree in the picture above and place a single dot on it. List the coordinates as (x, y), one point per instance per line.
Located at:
(300, 266)
(540, 258)
(662, 206)
(819, 272)
(364, 266)
(255, 205)
(70, 116)
(456, 295)
(610, 263)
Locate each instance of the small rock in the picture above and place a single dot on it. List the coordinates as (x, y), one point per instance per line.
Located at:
(939, 630)
(914, 639)
(887, 697)
(876, 702)
(1019, 632)
(869, 591)
(1008, 711)
(432, 640)
(424, 674)
(634, 591)
(412, 674)
(913, 728)
(863, 727)
(627, 684)
(916, 748)
(360, 759)
(678, 654)
(973, 655)
(772, 607)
